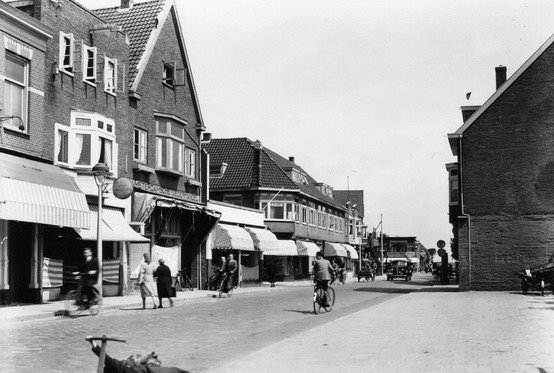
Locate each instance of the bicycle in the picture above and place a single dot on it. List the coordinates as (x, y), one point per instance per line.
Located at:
(76, 303)
(223, 288)
(319, 299)
(214, 280)
(182, 281)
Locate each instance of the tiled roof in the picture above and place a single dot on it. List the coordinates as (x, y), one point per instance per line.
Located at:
(242, 169)
(356, 197)
(138, 22)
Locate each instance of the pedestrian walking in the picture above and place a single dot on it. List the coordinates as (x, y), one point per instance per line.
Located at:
(146, 281)
(272, 272)
(232, 268)
(163, 282)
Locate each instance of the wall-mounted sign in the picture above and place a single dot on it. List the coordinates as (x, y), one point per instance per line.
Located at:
(122, 188)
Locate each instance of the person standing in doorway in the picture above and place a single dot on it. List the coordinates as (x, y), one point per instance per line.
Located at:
(163, 282)
(146, 281)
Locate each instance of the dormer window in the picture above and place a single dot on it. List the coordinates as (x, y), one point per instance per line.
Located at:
(218, 169)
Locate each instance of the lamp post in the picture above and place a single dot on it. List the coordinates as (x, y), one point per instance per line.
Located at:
(100, 171)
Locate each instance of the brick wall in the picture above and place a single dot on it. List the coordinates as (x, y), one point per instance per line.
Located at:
(66, 92)
(507, 176)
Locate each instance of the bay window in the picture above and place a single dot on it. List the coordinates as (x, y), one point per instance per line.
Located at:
(170, 146)
(279, 210)
(89, 139)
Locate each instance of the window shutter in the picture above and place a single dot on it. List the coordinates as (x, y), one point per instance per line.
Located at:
(180, 76)
(77, 56)
(121, 78)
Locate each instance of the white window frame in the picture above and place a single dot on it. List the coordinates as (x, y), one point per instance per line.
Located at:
(67, 41)
(190, 163)
(168, 81)
(92, 78)
(172, 141)
(110, 75)
(140, 145)
(100, 128)
(23, 86)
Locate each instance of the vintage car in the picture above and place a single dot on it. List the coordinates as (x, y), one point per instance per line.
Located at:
(399, 268)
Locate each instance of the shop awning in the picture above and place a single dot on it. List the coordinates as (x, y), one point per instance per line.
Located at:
(40, 193)
(114, 227)
(334, 249)
(351, 250)
(263, 239)
(285, 248)
(306, 248)
(227, 236)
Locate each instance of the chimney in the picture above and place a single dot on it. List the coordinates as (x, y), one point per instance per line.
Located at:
(500, 75)
(291, 159)
(127, 4)
(206, 137)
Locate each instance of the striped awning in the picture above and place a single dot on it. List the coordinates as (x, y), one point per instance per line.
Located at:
(40, 193)
(263, 239)
(352, 250)
(306, 248)
(114, 227)
(334, 249)
(227, 236)
(285, 248)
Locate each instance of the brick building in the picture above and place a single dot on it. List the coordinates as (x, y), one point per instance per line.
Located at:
(22, 107)
(166, 126)
(501, 197)
(296, 207)
(112, 87)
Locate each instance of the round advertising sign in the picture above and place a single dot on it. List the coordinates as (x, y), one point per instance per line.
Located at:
(441, 252)
(441, 244)
(122, 188)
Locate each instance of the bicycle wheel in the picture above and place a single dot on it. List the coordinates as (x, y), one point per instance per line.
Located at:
(222, 287)
(178, 284)
(318, 297)
(71, 306)
(188, 284)
(332, 302)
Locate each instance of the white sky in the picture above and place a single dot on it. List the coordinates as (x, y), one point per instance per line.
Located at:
(362, 93)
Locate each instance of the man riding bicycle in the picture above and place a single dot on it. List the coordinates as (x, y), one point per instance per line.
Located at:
(231, 272)
(322, 271)
(89, 292)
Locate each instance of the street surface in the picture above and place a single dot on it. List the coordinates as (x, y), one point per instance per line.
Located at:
(198, 336)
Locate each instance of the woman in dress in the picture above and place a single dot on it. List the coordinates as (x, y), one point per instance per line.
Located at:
(163, 280)
(146, 281)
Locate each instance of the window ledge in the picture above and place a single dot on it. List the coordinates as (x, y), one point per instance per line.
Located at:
(169, 171)
(193, 182)
(142, 168)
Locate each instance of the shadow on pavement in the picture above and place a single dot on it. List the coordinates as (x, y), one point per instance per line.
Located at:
(302, 312)
(385, 290)
(440, 289)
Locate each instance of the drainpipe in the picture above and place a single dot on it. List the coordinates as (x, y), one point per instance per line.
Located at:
(463, 214)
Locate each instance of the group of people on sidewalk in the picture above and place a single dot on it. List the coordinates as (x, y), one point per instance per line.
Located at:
(160, 288)
(227, 271)
(89, 289)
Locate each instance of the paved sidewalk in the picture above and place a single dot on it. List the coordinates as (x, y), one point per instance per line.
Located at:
(15, 313)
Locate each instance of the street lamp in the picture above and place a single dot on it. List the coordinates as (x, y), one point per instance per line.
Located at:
(100, 171)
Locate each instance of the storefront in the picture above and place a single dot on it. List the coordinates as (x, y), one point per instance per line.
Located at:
(283, 259)
(177, 228)
(36, 199)
(306, 255)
